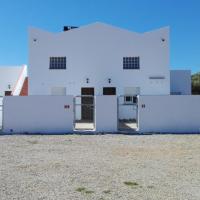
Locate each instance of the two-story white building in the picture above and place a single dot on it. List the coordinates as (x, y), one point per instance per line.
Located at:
(100, 59)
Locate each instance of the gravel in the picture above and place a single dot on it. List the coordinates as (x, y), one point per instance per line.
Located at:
(100, 167)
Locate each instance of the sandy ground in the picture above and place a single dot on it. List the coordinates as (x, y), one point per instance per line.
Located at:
(100, 167)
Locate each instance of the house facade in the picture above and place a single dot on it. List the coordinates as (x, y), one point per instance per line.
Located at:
(100, 59)
(99, 56)
(103, 78)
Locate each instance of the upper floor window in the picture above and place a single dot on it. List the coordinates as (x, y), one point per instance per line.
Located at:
(131, 62)
(57, 63)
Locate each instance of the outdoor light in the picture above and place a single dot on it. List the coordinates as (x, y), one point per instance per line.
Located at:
(87, 80)
(163, 39)
(9, 86)
(109, 80)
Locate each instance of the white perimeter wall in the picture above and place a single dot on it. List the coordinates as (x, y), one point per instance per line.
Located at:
(175, 113)
(180, 82)
(106, 113)
(37, 114)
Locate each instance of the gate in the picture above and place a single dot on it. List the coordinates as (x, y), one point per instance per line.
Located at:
(84, 112)
(1, 113)
(127, 113)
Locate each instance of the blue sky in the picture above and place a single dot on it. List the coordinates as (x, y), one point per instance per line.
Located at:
(183, 17)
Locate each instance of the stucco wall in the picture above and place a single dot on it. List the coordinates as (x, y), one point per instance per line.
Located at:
(175, 113)
(106, 113)
(96, 52)
(37, 114)
(180, 82)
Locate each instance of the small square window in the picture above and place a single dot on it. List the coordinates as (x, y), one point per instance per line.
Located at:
(131, 62)
(57, 63)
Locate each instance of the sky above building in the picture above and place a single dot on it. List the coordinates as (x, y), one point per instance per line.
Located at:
(182, 16)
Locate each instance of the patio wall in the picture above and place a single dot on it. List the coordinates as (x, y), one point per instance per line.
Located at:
(38, 114)
(174, 114)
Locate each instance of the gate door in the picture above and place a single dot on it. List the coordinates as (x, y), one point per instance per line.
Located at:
(127, 113)
(84, 109)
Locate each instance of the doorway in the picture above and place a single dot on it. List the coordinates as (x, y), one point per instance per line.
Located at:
(87, 101)
(128, 113)
(84, 110)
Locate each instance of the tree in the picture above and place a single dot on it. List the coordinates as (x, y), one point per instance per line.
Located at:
(196, 83)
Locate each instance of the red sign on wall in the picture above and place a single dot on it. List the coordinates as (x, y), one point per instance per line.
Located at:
(66, 106)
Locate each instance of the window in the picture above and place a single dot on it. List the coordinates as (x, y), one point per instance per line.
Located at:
(130, 99)
(130, 94)
(57, 63)
(131, 62)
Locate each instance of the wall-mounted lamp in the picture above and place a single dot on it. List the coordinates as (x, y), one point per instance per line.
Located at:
(109, 80)
(87, 80)
(162, 39)
(9, 86)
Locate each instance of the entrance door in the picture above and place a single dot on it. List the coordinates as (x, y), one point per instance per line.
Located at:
(109, 91)
(87, 104)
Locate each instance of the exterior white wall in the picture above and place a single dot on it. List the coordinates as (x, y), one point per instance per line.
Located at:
(106, 113)
(180, 82)
(13, 76)
(96, 52)
(37, 114)
(170, 113)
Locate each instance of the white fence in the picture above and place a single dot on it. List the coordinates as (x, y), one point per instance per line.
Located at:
(174, 114)
(55, 114)
(38, 114)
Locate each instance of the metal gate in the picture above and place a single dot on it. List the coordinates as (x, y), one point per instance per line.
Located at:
(1, 113)
(127, 113)
(84, 112)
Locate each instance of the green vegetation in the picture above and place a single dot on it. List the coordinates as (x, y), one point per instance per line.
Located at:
(196, 83)
(89, 191)
(129, 183)
(80, 189)
(83, 189)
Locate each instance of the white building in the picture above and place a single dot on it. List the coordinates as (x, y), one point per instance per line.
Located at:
(100, 59)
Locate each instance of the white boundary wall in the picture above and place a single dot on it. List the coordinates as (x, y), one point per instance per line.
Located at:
(106, 113)
(175, 114)
(38, 114)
